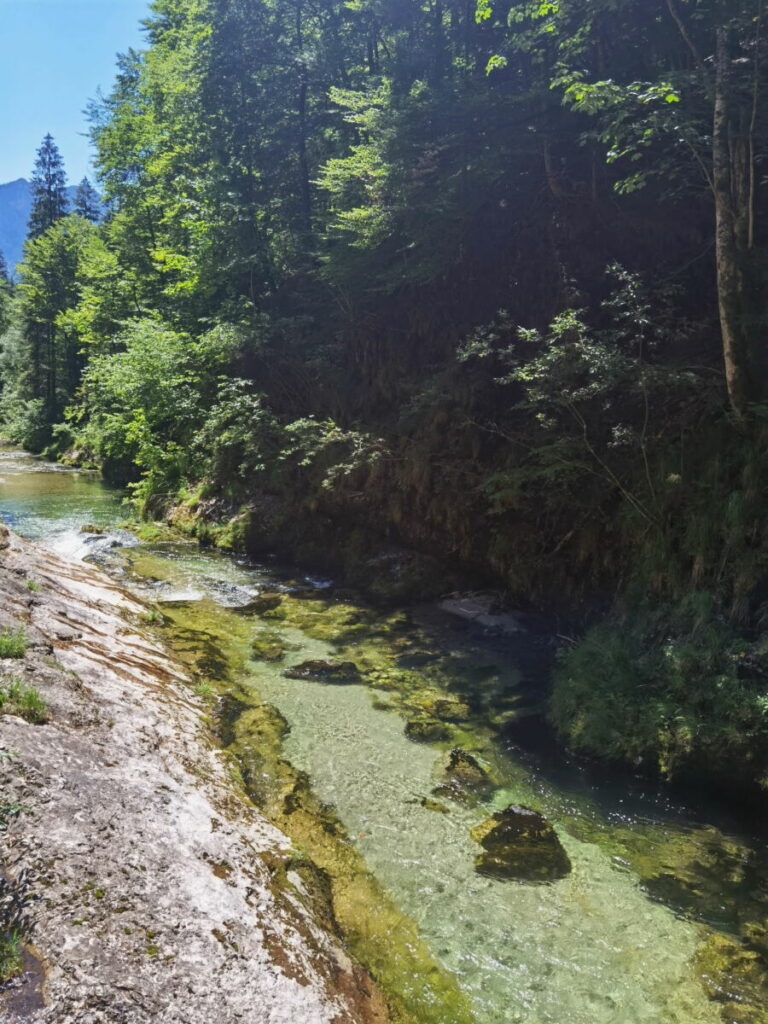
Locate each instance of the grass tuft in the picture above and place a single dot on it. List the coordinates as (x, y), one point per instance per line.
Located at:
(23, 701)
(13, 643)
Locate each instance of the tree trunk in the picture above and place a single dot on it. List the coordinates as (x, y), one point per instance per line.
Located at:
(729, 283)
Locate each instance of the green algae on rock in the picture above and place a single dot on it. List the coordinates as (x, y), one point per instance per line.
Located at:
(520, 844)
(325, 671)
(260, 605)
(268, 645)
(465, 779)
(427, 730)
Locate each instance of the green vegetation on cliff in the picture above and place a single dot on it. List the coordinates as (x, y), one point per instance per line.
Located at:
(483, 278)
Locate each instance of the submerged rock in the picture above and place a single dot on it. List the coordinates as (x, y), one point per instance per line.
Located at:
(260, 605)
(448, 709)
(520, 844)
(338, 672)
(483, 610)
(268, 645)
(427, 730)
(734, 977)
(433, 805)
(464, 778)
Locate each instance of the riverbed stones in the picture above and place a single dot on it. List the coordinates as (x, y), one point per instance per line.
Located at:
(520, 844)
(340, 673)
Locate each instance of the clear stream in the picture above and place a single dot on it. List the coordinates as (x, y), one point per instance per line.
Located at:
(663, 919)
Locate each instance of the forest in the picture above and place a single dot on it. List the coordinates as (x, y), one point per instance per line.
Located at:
(483, 280)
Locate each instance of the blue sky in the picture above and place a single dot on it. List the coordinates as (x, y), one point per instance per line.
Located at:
(54, 55)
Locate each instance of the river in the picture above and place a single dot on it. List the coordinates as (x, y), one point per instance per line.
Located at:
(663, 917)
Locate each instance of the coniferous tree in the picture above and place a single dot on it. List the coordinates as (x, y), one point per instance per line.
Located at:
(5, 274)
(87, 202)
(49, 189)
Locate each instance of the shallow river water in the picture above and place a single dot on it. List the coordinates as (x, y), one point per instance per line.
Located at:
(663, 918)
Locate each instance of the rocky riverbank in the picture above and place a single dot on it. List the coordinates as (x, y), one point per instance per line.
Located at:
(149, 885)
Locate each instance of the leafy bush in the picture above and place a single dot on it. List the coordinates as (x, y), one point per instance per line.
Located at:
(667, 688)
(145, 403)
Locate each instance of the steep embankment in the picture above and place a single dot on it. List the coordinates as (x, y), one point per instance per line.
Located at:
(154, 877)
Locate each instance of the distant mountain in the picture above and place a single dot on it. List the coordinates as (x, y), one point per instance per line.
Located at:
(15, 204)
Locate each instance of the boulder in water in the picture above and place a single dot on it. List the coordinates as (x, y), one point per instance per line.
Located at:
(427, 730)
(465, 779)
(260, 605)
(268, 645)
(519, 843)
(338, 672)
(93, 528)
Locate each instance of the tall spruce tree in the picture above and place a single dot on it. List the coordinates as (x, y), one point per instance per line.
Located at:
(5, 274)
(49, 189)
(87, 202)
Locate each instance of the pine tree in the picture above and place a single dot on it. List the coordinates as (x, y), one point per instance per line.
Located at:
(87, 202)
(5, 274)
(49, 189)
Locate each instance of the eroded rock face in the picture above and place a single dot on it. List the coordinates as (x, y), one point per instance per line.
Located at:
(520, 844)
(160, 895)
(339, 672)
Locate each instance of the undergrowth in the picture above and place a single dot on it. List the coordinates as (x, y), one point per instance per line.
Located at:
(676, 689)
(23, 701)
(13, 643)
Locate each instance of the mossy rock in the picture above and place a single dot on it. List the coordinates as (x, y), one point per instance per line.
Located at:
(268, 645)
(520, 844)
(465, 778)
(427, 730)
(448, 709)
(260, 605)
(340, 673)
(94, 529)
(734, 977)
(381, 679)
(755, 934)
(433, 805)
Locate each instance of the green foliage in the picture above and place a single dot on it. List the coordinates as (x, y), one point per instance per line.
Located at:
(13, 642)
(677, 689)
(23, 701)
(49, 189)
(16, 898)
(141, 406)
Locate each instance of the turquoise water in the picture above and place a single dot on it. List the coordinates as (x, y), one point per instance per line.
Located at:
(647, 928)
(41, 500)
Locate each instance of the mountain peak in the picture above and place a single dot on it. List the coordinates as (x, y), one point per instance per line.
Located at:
(15, 205)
